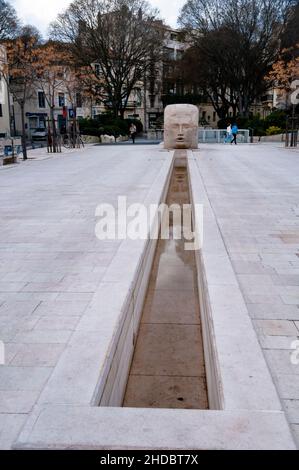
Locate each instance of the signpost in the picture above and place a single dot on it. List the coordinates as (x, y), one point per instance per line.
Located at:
(292, 130)
(10, 148)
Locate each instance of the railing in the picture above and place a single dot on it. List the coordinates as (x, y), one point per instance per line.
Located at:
(267, 98)
(155, 134)
(206, 136)
(218, 136)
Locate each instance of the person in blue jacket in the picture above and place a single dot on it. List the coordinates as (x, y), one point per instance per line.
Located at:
(235, 131)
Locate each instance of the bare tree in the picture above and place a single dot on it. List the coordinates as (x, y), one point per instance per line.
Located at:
(237, 44)
(197, 67)
(290, 38)
(51, 67)
(9, 22)
(118, 37)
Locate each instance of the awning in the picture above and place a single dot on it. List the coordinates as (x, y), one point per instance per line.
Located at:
(36, 114)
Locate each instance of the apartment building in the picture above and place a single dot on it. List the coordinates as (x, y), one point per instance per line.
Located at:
(161, 86)
(37, 110)
(4, 99)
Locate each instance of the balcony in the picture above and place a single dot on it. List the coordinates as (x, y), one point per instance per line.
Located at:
(133, 104)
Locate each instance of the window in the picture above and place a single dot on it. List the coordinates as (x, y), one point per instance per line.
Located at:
(61, 100)
(41, 99)
(169, 53)
(137, 96)
(33, 124)
(1, 112)
(97, 69)
(204, 114)
(214, 116)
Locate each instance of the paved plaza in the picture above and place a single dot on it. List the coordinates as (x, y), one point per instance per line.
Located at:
(51, 262)
(254, 192)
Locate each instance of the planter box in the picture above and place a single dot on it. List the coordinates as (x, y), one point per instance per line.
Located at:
(9, 160)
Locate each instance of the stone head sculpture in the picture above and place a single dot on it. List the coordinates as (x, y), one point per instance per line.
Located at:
(181, 126)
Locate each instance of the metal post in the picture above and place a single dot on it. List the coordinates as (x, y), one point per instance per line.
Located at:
(293, 130)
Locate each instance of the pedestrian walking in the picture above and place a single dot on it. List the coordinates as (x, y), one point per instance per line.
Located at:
(235, 131)
(228, 136)
(133, 132)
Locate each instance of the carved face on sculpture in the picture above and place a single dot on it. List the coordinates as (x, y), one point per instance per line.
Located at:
(181, 126)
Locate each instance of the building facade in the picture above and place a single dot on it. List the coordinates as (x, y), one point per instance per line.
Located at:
(162, 85)
(4, 99)
(37, 111)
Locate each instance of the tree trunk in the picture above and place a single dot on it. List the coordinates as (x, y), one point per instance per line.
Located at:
(235, 108)
(24, 146)
(53, 125)
(91, 108)
(115, 110)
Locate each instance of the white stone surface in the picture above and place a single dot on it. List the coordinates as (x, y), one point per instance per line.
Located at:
(55, 316)
(254, 194)
(47, 222)
(55, 427)
(241, 369)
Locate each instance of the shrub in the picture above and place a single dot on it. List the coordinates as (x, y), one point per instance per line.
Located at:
(107, 124)
(274, 130)
(242, 122)
(89, 127)
(257, 125)
(223, 123)
(276, 119)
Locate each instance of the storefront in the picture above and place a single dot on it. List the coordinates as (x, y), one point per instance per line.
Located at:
(35, 121)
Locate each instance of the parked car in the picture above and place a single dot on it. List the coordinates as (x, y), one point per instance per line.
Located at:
(39, 134)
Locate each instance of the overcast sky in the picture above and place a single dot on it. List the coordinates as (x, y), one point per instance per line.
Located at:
(41, 12)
